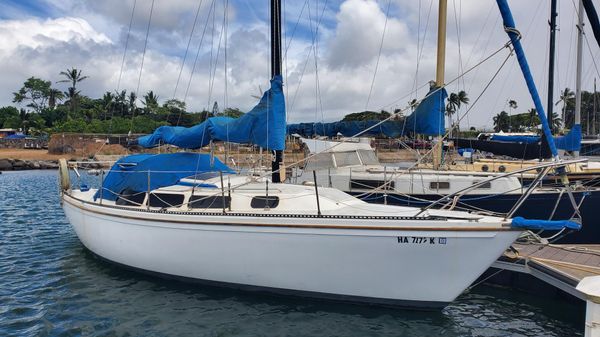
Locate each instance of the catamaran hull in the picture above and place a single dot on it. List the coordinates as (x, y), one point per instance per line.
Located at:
(394, 267)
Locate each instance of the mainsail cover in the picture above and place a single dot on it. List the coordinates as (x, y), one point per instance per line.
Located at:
(264, 126)
(569, 142)
(427, 119)
(131, 174)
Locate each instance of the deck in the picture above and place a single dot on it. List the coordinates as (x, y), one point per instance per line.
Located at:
(562, 266)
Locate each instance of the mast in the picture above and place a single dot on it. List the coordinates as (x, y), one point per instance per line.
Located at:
(594, 111)
(276, 71)
(552, 52)
(579, 64)
(440, 71)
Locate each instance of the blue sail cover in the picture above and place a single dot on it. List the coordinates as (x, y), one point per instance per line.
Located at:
(427, 119)
(131, 173)
(264, 126)
(569, 142)
(534, 224)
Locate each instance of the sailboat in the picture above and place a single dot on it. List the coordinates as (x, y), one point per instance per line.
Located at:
(187, 216)
(356, 170)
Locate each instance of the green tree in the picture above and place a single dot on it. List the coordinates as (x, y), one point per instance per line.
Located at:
(455, 102)
(150, 102)
(35, 91)
(566, 98)
(9, 113)
(501, 122)
(233, 112)
(72, 76)
(367, 116)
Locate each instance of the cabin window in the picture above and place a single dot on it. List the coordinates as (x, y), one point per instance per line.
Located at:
(319, 162)
(370, 184)
(439, 185)
(130, 198)
(165, 200)
(264, 202)
(486, 185)
(346, 158)
(368, 157)
(210, 201)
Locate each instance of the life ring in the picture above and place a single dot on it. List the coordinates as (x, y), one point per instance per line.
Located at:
(502, 168)
(485, 168)
(63, 175)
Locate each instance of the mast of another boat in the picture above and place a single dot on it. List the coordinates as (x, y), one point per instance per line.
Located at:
(551, 58)
(579, 64)
(440, 70)
(276, 71)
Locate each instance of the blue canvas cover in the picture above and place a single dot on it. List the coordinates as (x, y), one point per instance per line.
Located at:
(16, 136)
(569, 142)
(427, 119)
(131, 173)
(533, 224)
(516, 139)
(264, 126)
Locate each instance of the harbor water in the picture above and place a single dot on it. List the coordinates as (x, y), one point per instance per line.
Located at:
(51, 286)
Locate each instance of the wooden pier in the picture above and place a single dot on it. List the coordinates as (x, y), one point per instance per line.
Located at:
(562, 266)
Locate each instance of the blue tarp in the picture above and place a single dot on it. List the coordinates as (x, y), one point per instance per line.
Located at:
(520, 222)
(569, 142)
(131, 173)
(516, 139)
(427, 119)
(264, 126)
(16, 136)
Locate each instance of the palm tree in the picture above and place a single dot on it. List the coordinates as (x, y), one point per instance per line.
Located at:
(132, 105)
(501, 121)
(150, 101)
(533, 120)
(107, 102)
(512, 104)
(54, 95)
(72, 76)
(566, 96)
(556, 122)
(455, 101)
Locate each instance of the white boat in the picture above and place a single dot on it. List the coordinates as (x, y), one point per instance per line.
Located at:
(169, 215)
(354, 168)
(352, 251)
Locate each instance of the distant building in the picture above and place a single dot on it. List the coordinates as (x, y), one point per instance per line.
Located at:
(7, 132)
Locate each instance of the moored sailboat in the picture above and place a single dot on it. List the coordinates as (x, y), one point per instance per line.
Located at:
(187, 216)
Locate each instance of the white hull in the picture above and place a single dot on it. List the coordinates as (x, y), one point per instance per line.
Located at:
(327, 259)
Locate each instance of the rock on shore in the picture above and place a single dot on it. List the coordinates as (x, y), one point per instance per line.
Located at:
(18, 164)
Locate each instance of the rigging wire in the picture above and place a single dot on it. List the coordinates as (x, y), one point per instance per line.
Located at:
(187, 48)
(387, 12)
(305, 63)
(123, 64)
(211, 8)
(142, 64)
